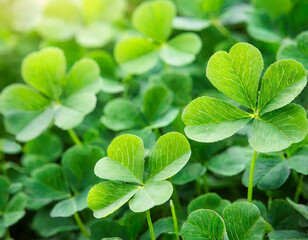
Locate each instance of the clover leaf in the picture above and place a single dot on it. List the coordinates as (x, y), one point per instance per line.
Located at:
(49, 94)
(157, 111)
(239, 220)
(296, 49)
(123, 168)
(237, 74)
(137, 55)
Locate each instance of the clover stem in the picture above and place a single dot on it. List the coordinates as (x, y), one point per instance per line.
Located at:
(74, 137)
(81, 225)
(220, 28)
(252, 168)
(298, 188)
(151, 229)
(175, 221)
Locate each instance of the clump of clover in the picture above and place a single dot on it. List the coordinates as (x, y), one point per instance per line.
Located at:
(277, 123)
(124, 169)
(139, 54)
(50, 94)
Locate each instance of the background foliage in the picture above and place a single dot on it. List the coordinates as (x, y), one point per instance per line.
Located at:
(84, 83)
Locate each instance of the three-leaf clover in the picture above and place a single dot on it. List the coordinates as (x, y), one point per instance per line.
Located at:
(137, 55)
(276, 123)
(124, 168)
(50, 94)
(157, 111)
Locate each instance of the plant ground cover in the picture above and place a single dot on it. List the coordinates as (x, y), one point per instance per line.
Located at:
(156, 119)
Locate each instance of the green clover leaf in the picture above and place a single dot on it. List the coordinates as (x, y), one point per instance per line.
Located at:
(154, 19)
(50, 94)
(124, 169)
(276, 123)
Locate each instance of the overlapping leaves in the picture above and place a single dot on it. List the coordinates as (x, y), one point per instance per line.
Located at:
(124, 169)
(238, 221)
(276, 123)
(137, 55)
(49, 94)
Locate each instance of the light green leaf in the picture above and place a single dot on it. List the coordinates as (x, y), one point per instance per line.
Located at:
(260, 27)
(105, 169)
(277, 130)
(128, 151)
(243, 221)
(32, 127)
(94, 35)
(152, 194)
(4, 192)
(73, 110)
(136, 55)
(157, 100)
(9, 146)
(210, 119)
(302, 209)
(299, 161)
(237, 73)
(56, 29)
(203, 224)
(78, 163)
(297, 50)
(24, 108)
(107, 197)
(83, 78)
(48, 182)
(181, 50)
(165, 119)
(60, 20)
(45, 71)
(189, 173)
(68, 207)
(287, 235)
(208, 201)
(103, 9)
(121, 114)
(231, 162)
(169, 155)
(269, 174)
(154, 19)
(190, 24)
(282, 82)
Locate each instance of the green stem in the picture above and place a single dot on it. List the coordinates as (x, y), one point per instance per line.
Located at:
(151, 229)
(8, 234)
(175, 221)
(220, 28)
(298, 188)
(268, 227)
(252, 168)
(74, 137)
(81, 225)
